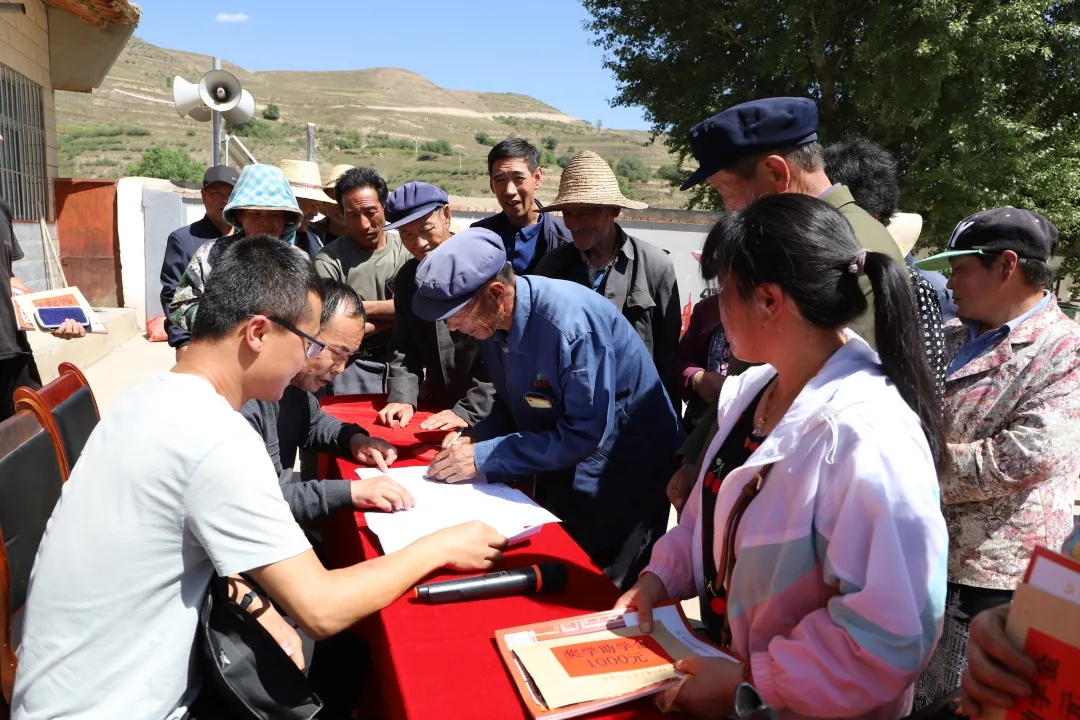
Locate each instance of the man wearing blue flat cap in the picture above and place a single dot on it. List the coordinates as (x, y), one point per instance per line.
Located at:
(429, 363)
(771, 146)
(765, 147)
(578, 403)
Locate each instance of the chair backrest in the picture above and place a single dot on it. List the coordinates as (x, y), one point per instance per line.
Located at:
(30, 484)
(67, 408)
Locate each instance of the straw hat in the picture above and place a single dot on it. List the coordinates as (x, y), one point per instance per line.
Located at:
(336, 172)
(303, 176)
(905, 229)
(588, 180)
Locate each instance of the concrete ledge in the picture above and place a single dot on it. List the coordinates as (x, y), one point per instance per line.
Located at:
(49, 352)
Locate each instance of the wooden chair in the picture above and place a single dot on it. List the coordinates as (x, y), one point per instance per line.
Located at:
(65, 407)
(31, 480)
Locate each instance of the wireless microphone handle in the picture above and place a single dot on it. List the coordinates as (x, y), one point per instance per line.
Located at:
(536, 579)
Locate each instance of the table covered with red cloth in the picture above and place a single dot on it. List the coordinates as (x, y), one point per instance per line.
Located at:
(440, 661)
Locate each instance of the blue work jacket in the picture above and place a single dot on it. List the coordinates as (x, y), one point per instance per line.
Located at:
(578, 403)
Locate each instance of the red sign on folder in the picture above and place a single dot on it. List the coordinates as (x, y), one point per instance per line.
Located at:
(607, 656)
(1057, 694)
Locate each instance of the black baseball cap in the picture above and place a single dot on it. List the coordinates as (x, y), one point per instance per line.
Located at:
(1026, 233)
(748, 129)
(220, 173)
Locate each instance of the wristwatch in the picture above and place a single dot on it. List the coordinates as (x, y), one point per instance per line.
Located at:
(750, 706)
(250, 597)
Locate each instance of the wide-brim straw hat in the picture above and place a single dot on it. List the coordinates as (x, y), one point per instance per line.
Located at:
(335, 173)
(905, 229)
(588, 180)
(304, 177)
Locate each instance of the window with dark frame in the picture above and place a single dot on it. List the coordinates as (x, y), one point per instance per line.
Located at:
(24, 174)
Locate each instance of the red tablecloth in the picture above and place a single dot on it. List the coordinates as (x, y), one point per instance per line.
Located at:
(440, 661)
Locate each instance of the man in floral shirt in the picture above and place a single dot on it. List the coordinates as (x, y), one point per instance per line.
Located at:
(1012, 420)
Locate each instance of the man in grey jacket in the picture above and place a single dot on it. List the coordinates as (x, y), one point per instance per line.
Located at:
(638, 278)
(297, 423)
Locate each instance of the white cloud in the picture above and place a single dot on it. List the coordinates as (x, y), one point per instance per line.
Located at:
(232, 17)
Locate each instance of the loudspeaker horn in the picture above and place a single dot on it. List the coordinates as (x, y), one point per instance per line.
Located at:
(185, 97)
(244, 110)
(220, 90)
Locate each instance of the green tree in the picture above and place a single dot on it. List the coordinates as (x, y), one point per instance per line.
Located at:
(484, 139)
(547, 158)
(271, 112)
(167, 164)
(977, 99)
(550, 142)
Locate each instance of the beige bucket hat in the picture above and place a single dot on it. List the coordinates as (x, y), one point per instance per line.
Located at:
(304, 178)
(335, 173)
(588, 180)
(905, 229)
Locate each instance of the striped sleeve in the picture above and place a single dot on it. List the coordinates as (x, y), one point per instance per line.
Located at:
(882, 543)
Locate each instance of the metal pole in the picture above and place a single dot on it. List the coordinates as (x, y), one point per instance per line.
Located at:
(226, 158)
(311, 142)
(216, 150)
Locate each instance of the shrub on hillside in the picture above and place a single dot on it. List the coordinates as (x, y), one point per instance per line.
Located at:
(167, 164)
(672, 174)
(254, 128)
(550, 142)
(442, 147)
(484, 139)
(547, 158)
(271, 112)
(427, 156)
(632, 169)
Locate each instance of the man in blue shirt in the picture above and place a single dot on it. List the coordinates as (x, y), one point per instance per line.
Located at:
(578, 401)
(515, 175)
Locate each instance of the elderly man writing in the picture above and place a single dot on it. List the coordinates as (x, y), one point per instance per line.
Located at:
(578, 402)
(638, 278)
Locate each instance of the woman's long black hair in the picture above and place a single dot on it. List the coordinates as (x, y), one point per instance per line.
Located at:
(807, 248)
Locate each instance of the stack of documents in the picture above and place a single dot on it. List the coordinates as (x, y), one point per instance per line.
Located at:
(441, 505)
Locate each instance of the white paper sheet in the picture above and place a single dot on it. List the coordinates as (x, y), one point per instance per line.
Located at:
(442, 505)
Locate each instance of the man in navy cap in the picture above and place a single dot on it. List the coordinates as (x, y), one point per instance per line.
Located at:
(218, 184)
(761, 148)
(427, 356)
(578, 401)
(1012, 404)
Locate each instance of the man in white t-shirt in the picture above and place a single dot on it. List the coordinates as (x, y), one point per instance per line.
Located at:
(175, 486)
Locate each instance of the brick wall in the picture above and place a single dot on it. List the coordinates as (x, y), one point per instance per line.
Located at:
(31, 269)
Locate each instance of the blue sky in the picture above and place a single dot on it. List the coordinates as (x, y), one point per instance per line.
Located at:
(537, 48)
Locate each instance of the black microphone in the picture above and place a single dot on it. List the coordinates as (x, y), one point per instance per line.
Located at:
(546, 577)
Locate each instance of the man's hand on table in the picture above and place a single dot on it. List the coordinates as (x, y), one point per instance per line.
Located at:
(470, 547)
(380, 493)
(373, 451)
(445, 420)
(261, 609)
(395, 415)
(456, 463)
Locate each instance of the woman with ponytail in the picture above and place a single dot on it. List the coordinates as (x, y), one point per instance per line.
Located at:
(814, 538)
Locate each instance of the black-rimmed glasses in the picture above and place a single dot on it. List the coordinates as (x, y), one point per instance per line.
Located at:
(314, 348)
